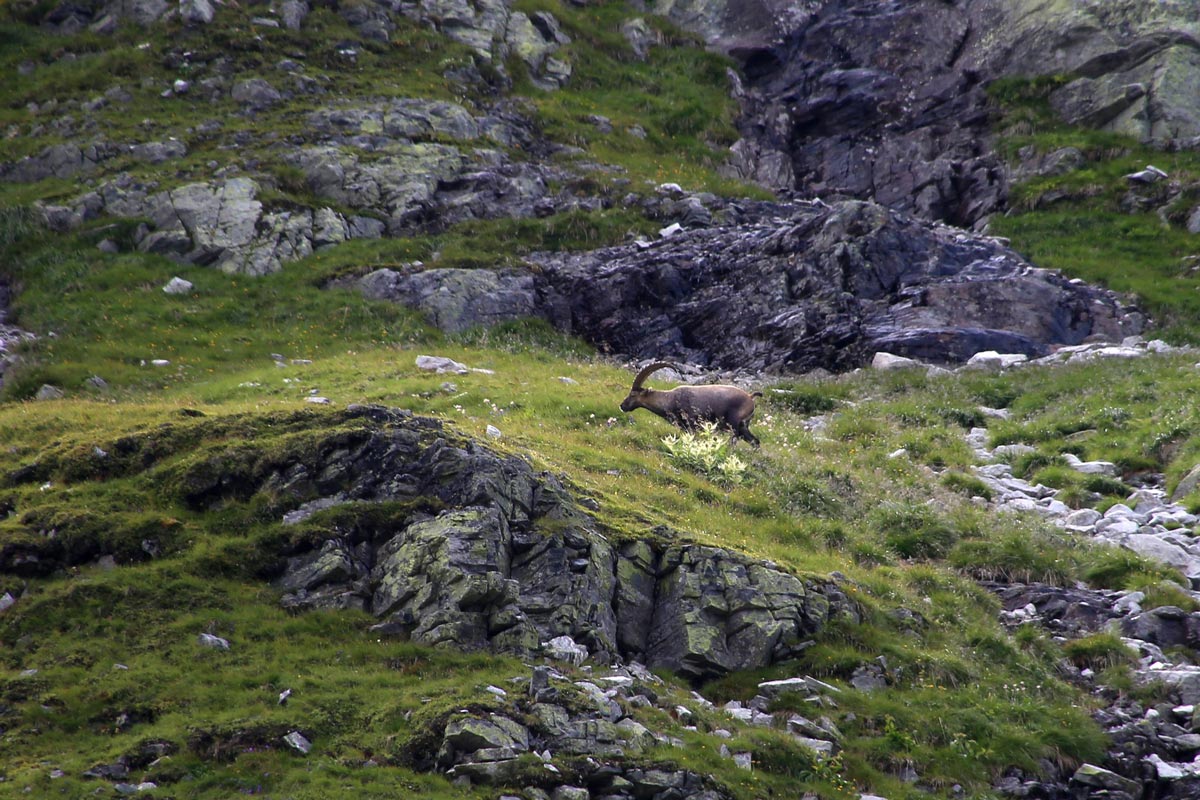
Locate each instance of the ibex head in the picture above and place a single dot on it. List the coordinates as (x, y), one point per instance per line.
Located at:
(636, 393)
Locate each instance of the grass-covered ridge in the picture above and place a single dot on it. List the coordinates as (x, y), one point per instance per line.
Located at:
(100, 659)
(812, 503)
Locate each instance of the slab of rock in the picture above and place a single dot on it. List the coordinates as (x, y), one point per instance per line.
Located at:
(802, 286)
(457, 300)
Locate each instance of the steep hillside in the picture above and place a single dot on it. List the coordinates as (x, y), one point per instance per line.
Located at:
(314, 323)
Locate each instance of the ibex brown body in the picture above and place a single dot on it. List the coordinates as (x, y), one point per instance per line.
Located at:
(689, 407)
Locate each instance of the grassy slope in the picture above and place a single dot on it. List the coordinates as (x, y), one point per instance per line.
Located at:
(110, 642)
(1086, 233)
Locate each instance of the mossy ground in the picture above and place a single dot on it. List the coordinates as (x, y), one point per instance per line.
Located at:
(115, 649)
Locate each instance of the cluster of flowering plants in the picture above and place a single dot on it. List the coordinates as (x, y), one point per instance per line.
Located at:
(708, 453)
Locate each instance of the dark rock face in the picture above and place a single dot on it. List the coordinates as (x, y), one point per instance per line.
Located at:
(511, 562)
(869, 100)
(880, 100)
(784, 288)
(820, 286)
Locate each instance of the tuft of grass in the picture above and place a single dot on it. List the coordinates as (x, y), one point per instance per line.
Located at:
(1099, 651)
(1117, 568)
(1018, 555)
(914, 531)
(966, 484)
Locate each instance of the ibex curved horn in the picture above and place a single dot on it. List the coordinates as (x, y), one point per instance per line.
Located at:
(649, 370)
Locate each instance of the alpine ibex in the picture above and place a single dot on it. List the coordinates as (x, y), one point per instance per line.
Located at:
(689, 407)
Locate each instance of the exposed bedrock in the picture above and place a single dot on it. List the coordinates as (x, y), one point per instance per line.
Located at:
(501, 558)
(790, 288)
(880, 100)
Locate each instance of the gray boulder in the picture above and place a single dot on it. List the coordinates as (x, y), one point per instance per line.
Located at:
(408, 118)
(469, 734)
(255, 92)
(293, 13)
(197, 12)
(58, 161)
(456, 300)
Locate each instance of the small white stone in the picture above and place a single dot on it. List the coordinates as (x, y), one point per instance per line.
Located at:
(216, 642)
(297, 741)
(886, 361)
(177, 285)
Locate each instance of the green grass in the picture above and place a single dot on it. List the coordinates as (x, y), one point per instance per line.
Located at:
(115, 648)
(811, 504)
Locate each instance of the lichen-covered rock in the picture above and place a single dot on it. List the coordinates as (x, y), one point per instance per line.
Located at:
(468, 734)
(715, 612)
(408, 118)
(512, 562)
(495, 32)
(444, 582)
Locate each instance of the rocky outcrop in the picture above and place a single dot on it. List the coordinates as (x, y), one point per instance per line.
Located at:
(823, 286)
(221, 224)
(591, 721)
(495, 33)
(1134, 66)
(790, 288)
(456, 300)
(70, 160)
(450, 544)
(389, 161)
(885, 101)
(511, 563)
